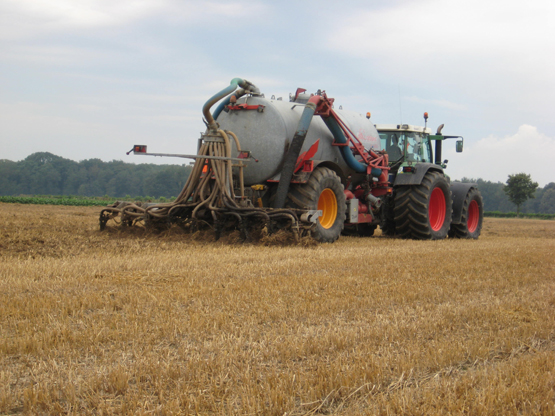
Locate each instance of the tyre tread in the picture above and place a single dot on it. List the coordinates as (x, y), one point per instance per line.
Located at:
(411, 208)
(305, 196)
(460, 230)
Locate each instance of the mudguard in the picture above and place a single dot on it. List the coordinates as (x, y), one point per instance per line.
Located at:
(415, 178)
(302, 177)
(333, 166)
(459, 191)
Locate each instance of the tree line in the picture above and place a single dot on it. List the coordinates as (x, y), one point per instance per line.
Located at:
(46, 174)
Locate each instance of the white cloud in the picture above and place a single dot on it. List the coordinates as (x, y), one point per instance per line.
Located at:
(418, 29)
(21, 19)
(58, 55)
(439, 103)
(450, 42)
(494, 158)
(478, 66)
(104, 129)
(25, 18)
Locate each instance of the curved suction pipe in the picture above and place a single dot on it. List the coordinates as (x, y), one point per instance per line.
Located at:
(235, 82)
(238, 94)
(347, 154)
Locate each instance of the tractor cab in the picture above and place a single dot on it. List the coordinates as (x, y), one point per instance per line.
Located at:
(406, 143)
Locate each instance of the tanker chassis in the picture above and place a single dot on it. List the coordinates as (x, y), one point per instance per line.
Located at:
(303, 166)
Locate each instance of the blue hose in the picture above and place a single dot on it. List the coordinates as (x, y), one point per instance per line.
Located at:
(346, 152)
(235, 82)
(221, 107)
(218, 96)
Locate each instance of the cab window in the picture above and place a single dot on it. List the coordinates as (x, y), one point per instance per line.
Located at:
(392, 142)
(418, 148)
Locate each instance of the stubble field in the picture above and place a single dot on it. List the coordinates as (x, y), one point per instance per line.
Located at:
(111, 323)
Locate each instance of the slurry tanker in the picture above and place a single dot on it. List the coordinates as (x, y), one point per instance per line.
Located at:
(303, 166)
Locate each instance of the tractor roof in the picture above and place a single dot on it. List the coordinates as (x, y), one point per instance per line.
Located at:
(402, 127)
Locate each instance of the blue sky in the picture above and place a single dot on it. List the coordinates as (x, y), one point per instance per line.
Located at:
(90, 78)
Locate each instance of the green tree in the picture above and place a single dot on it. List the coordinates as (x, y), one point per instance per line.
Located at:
(9, 177)
(493, 196)
(47, 174)
(167, 182)
(520, 188)
(547, 205)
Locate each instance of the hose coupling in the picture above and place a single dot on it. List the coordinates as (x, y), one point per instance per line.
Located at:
(377, 202)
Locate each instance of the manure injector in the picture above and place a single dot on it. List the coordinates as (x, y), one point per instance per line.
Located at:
(303, 166)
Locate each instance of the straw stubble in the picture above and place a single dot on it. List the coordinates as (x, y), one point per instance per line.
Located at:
(126, 323)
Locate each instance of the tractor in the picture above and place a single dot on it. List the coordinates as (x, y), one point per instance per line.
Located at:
(424, 203)
(267, 164)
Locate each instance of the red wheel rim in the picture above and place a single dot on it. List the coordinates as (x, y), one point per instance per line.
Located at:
(473, 216)
(436, 210)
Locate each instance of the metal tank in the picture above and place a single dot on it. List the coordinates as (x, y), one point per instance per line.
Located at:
(267, 133)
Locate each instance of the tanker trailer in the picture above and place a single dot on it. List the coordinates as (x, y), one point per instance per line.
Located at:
(266, 163)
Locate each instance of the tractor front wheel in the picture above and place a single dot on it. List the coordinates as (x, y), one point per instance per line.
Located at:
(324, 192)
(423, 212)
(471, 217)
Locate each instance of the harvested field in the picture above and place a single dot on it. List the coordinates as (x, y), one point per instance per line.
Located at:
(112, 323)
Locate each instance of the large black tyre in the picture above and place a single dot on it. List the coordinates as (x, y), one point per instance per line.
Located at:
(472, 217)
(423, 212)
(322, 191)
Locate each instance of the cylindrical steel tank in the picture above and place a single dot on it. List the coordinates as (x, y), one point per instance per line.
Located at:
(267, 135)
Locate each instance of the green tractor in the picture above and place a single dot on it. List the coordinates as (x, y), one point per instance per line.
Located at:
(425, 204)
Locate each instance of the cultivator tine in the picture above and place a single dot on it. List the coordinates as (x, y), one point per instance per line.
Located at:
(194, 226)
(244, 228)
(270, 227)
(103, 220)
(218, 227)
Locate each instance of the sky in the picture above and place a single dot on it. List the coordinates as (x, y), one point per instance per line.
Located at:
(90, 78)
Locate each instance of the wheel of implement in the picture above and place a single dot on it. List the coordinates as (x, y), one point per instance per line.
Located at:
(471, 217)
(423, 212)
(323, 191)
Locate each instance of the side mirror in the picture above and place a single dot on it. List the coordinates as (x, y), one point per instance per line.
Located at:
(459, 146)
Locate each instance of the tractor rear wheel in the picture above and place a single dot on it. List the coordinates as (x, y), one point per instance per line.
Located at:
(324, 192)
(423, 212)
(471, 217)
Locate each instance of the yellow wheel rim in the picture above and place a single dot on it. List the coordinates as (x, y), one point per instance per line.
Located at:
(327, 203)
